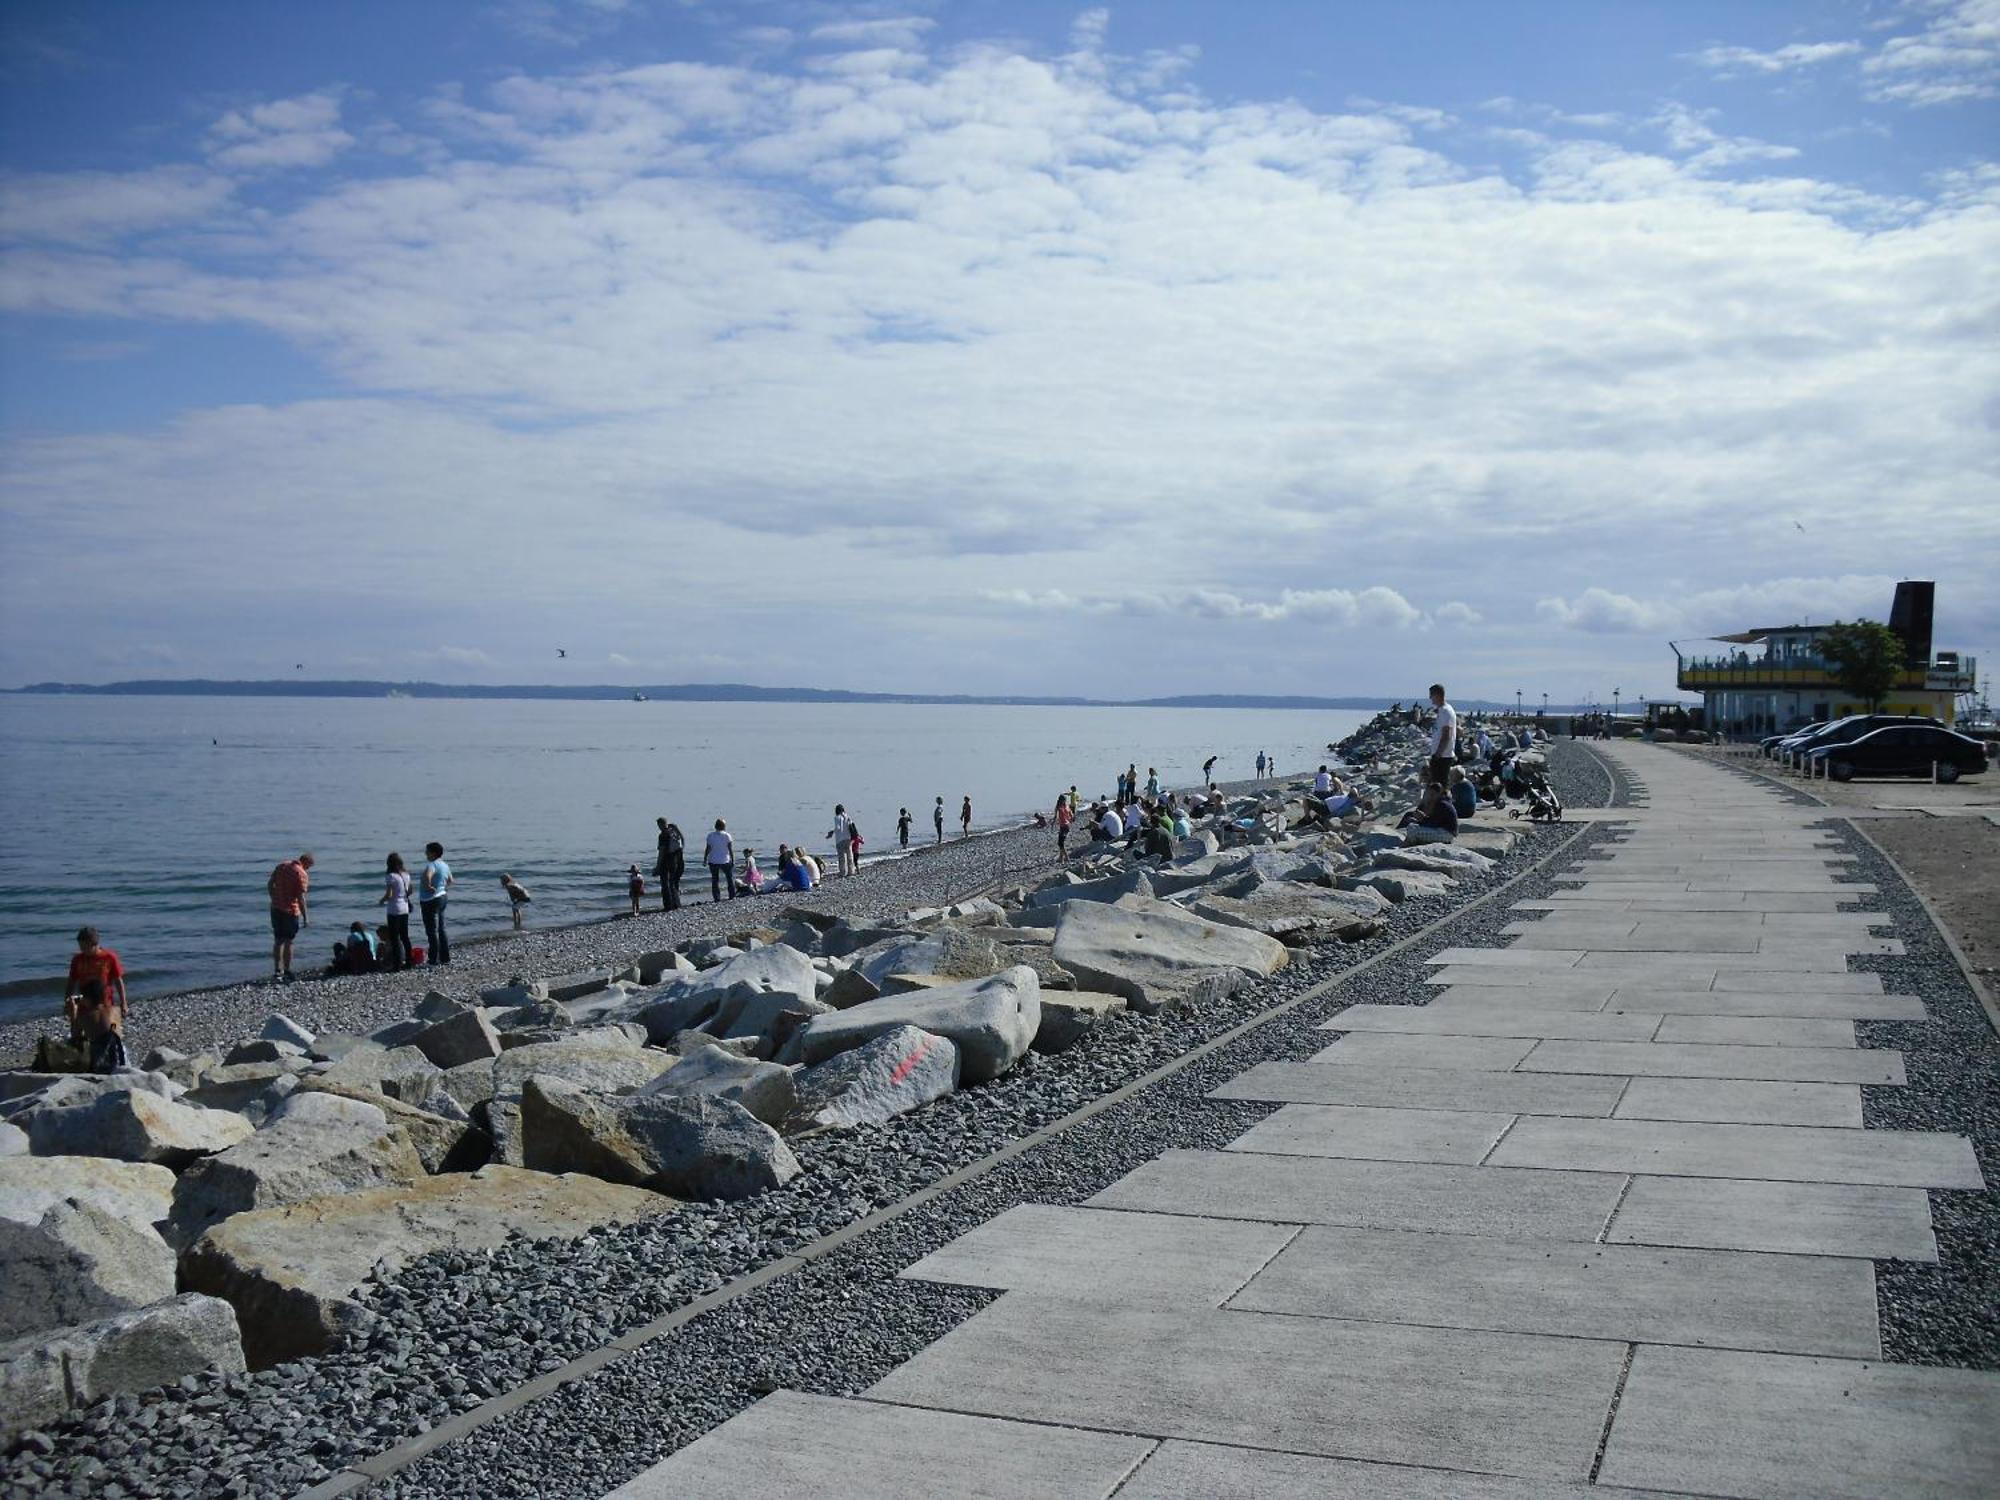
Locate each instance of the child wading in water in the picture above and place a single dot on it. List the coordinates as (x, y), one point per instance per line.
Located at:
(635, 887)
(518, 897)
(903, 827)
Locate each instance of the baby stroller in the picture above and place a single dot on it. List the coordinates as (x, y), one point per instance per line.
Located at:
(1544, 806)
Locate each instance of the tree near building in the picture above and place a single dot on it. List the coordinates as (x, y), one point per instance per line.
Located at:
(1866, 657)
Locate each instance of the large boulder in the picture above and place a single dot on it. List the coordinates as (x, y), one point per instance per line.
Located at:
(234, 1085)
(886, 1076)
(947, 952)
(401, 1072)
(763, 1088)
(1156, 955)
(1442, 859)
(1068, 1014)
(767, 1016)
(1130, 882)
(291, 1273)
(13, 1140)
(44, 1375)
(443, 1143)
(75, 1262)
(689, 1147)
(138, 1192)
(264, 1050)
(132, 1125)
(34, 1090)
(774, 969)
(315, 1144)
(604, 1061)
(279, 1028)
(1298, 913)
(991, 1021)
(1403, 885)
(465, 1037)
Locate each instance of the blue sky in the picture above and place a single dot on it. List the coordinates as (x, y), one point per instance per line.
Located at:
(1171, 347)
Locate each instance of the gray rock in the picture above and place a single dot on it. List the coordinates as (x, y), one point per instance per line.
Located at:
(442, 1143)
(278, 1028)
(850, 987)
(682, 1043)
(178, 1066)
(401, 1072)
(76, 1262)
(763, 1088)
(291, 1273)
(515, 994)
(263, 1050)
(44, 1375)
(332, 1046)
(767, 1016)
(775, 969)
(1442, 859)
(886, 1076)
(1067, 1015)
(397, 1033)
(1404, 885)
(603, 1063)
(315, 1144)
(137, 1192)
(22, 1091)
(1110, 888)
(1156, 955)
(991, 1021)
(681, 1007)
(948, 952)
(659, 965)
(131, 1125)
(464, 1037)
(258, 1109)
(689, 1147)
(235, 1086)
(437, 1006)
(13, 1139)
(845, 938)
(1295, 913)
(468, 1083)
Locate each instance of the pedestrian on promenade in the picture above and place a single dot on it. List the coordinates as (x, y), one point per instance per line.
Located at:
(1065, 815)
(720, 854)
(287, 886)
(94, 999)
(937, 818)
(1444, 736)
(671, 864)
(395, 899)
(838, 833)
(635, 888)
(903, 827)
(517, 897)
(1208, 771)
(433, 888)
(965, 818)
(1261, 763)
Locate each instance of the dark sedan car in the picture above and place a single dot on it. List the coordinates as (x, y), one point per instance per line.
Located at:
(1853, 727)
(1903, 750)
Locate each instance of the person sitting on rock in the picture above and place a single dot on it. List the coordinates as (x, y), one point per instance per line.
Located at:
(356, 953)
(1108, 825)
(1158, 841)
(1433, 820)
(1464, 795)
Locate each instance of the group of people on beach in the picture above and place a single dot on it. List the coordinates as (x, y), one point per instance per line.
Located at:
(365, 948)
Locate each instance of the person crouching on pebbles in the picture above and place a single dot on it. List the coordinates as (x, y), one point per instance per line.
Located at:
(518, 897)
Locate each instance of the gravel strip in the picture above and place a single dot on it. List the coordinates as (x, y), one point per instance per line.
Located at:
(454, 1329)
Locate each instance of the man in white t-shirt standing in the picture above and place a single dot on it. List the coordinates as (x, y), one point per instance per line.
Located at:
(843, 849)
(1444, 737)
(719, 851)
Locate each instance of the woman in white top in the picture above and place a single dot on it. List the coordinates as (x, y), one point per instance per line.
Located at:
(721, 856)
(838, 833)
(396, 897)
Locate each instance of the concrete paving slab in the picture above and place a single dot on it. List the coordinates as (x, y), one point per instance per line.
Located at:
(1547, 981)
(1534, 999)
(1741, 1102)
(1813, 958)
(1209, 1471)
(1489, 1054)
(1779, 1153)
(1754, 1003)
(1795, 1218)
(1716, 1298)
(795, 1444)
(1508, 958)
(1425, 1088)
(1444, 1135)
(1506, 1403)
(1779, 1427)
(1430, 1020)
(1757, 1031)
(1704, 1060)
(1812, 984)
(1720, 903)
(1627, 972)
(1098, 1254)
(1599, 940)
(1416, 1196)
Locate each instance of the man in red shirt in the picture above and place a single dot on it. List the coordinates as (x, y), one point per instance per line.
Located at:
(288, 885)
(99, 1008)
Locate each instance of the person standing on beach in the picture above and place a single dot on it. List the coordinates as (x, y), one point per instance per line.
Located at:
(433, 885)
(903, 827)
(287, 887)
(94, 998)
(1261, 763)
(1153, 783)
(838, 833)
(517, 897)
(853, 847)
(671, 865)
(937, 818)
(1444, 736)
(395, 899)
(1065, 815)
(720, 854)
(1208, 771)
(965, 818)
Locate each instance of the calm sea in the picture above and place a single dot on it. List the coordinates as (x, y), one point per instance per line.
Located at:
(159, 819)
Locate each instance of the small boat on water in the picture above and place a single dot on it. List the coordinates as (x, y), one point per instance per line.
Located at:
(637, 696)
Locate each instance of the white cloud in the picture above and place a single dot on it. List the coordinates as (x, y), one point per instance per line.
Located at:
(1735, 61)
(1459, 614)
(1954, 58)
(1377, 607)
(1704, 612)
(283, 133)
(83, 207)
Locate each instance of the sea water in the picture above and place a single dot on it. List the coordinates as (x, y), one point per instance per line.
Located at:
(158, 820)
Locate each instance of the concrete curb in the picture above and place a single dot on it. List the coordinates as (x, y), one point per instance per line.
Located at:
(358, 1476)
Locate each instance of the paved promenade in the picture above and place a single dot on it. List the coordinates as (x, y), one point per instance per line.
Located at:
(1600, 1218)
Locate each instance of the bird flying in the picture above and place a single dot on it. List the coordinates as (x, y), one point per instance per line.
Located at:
(562, 653)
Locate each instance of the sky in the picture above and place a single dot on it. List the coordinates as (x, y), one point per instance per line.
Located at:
(1177, 347)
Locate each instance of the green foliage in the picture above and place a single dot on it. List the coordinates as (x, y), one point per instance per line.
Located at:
(1867, 658)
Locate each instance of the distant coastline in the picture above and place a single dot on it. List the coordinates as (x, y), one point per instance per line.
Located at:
(684, 692)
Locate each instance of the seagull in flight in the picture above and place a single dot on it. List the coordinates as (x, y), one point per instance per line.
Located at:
(562, 653)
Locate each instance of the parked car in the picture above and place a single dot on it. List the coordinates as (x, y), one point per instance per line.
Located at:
(1770, 743)
(1903, 750)
(1842, 731)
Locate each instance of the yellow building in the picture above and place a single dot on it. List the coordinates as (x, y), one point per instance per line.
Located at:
(1774, 678)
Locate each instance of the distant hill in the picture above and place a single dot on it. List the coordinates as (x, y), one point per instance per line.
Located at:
(682, 692)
